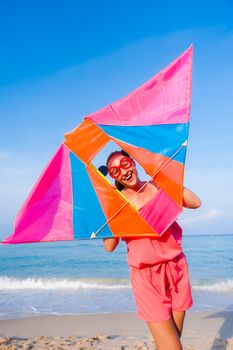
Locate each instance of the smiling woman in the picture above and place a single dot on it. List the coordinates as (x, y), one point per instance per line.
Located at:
(158, 266)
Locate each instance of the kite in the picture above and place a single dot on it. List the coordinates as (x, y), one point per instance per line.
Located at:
(72, 199)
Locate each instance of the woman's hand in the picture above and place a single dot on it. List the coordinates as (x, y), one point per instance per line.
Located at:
(190, 199)
(110, 244)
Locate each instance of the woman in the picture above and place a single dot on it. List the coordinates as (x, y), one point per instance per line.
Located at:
(158, 267)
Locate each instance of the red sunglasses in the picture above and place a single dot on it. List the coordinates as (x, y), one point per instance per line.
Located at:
(115, 171)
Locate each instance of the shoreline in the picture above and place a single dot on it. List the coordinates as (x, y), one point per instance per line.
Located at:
(99, 313)
(202, 331)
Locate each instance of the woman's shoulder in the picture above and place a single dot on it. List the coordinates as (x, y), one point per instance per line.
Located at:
(152, 184)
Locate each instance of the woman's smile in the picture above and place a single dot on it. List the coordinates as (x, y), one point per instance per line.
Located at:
(127, 176)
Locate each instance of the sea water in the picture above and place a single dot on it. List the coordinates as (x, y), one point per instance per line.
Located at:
(80, 277)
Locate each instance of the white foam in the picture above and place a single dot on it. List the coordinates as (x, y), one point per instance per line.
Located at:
(10, 283)
(221, 286)
(42, 283)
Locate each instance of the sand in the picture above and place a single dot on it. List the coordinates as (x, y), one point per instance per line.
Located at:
(115, 331)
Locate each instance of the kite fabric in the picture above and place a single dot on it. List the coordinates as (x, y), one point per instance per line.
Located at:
(73, 200)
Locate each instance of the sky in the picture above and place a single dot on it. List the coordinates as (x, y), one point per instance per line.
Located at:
(61, 60)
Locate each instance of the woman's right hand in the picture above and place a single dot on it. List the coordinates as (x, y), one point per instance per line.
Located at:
(110, 244)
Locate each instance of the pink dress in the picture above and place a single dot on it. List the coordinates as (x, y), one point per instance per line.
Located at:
(159, 272)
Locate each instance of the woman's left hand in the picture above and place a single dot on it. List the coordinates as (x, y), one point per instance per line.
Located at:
(190, 199)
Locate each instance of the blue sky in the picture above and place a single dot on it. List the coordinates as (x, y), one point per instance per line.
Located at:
(61, 60)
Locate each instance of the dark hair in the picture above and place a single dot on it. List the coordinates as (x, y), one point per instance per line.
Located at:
(118, 185)
(121, 152)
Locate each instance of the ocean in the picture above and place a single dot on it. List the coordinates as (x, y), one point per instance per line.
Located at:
(79, 277)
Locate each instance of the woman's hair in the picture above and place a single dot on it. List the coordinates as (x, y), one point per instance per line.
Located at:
(121, 152)
(118, 185)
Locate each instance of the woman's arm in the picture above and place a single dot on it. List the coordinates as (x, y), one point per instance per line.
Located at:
(110, 244)
(190, 199)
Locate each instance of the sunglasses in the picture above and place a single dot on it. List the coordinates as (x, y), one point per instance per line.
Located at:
(115, 171)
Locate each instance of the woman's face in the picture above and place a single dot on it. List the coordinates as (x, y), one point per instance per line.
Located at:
(127, 177)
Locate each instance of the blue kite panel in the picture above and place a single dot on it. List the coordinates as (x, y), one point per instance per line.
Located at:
(164, 139)
(88, 215)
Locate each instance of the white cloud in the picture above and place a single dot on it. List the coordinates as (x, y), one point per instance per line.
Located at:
(211, 214)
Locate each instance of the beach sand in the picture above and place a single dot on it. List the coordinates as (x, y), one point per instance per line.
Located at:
(123, 331)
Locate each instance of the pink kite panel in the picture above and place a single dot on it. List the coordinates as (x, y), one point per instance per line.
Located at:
(160, 212)
(164, 99)
(47, 213)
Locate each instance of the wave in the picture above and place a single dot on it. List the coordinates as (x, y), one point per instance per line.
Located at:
(11, 283)
(220, 286)
(43, 283)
